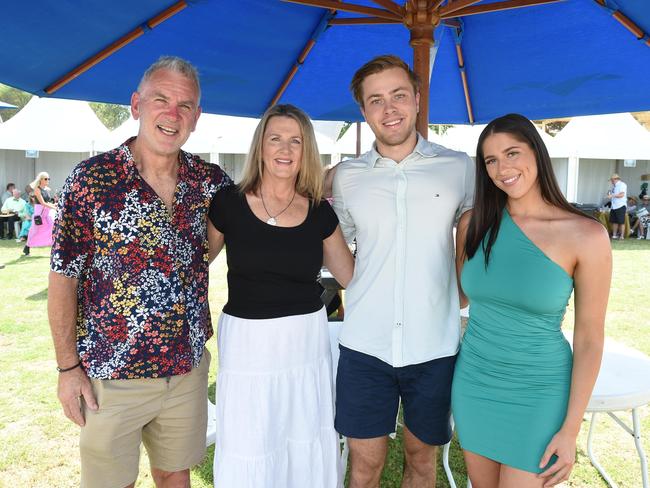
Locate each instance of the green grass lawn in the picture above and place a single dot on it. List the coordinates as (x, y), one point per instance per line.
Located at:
(40, 446)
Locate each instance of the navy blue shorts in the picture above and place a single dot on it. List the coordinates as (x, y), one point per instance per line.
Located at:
(368, 392)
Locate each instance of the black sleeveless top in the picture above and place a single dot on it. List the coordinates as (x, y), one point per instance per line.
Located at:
(272, 270)
(47, 198)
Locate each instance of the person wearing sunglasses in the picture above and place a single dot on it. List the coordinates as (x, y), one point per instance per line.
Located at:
(43, 195)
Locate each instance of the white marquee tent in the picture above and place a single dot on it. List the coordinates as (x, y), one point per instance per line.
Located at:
(465, 138)
(63, 132)
(209, 136)
(346, 146)
(600, 145)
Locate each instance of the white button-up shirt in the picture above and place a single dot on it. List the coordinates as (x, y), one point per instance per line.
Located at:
(619, 187)
(402, 303)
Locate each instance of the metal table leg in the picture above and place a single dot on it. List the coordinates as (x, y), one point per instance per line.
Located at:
(639, 447)
(635, 432)
(592, 457)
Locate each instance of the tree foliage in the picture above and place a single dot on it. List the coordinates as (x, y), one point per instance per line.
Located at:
(553, 126)
(439, 129)
(15, 97)
(111, 115)
(344, 129)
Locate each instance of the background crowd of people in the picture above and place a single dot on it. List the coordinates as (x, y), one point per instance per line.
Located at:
(638, 210)
(18, 210)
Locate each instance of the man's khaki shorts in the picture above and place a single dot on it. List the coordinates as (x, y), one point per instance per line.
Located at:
(168, 415)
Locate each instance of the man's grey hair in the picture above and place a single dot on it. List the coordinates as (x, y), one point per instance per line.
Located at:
(176, 64)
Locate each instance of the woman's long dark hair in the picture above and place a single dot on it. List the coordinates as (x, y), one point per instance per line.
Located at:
(489, 200)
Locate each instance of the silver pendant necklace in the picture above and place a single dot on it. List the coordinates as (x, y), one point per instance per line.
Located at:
(272, 218)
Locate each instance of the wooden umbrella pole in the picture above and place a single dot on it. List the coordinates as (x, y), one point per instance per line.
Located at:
(421, 21)
(421, 66)
(421, 17)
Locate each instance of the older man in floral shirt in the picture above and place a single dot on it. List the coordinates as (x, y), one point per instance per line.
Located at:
(128, 295)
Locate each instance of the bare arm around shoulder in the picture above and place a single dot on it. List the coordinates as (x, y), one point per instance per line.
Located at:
(215, 241)
(62, 313)
(346, 222)
(328, 181)
(338, 258)
(592, 279)
(461, 235)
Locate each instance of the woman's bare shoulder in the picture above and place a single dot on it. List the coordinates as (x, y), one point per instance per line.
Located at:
(584, 232)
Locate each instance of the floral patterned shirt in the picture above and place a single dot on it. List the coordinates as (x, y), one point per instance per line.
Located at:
(143, 273)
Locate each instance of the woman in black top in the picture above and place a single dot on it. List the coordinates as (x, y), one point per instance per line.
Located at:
(41, 189)
(275, 407)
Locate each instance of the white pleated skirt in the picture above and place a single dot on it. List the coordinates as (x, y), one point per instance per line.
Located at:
(275, 404)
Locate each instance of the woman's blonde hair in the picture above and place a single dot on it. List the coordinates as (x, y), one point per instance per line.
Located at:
(309, 182)
(39, 177)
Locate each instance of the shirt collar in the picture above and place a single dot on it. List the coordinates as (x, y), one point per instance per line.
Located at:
(423, 148)
(131, 171)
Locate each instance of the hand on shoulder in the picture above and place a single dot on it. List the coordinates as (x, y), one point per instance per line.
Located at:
(328, 180)
(463, 222)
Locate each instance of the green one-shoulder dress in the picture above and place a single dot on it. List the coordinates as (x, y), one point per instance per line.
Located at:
(513, 373)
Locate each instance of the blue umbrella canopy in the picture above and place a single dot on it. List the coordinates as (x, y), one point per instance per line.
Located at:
(566, 58)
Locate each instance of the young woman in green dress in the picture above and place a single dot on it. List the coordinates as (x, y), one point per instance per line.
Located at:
(519, 393)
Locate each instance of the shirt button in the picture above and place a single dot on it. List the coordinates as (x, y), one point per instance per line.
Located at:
(398, 324)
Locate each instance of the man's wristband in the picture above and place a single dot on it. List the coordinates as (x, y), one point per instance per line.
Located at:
(63, 370)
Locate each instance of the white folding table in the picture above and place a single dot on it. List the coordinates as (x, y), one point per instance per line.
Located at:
(623, 384)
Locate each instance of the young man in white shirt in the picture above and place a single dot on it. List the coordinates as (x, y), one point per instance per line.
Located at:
(618, 196)
(401, 333)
